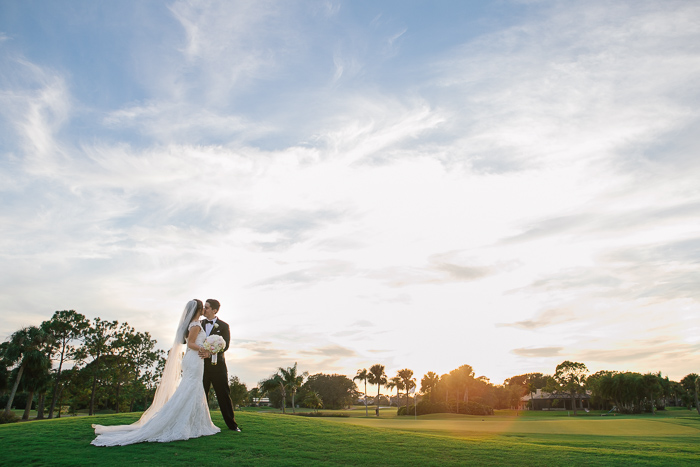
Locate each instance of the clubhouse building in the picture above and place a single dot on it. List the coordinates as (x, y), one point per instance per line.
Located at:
(541, 400)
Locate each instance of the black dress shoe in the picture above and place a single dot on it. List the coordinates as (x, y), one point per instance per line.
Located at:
(238, 429)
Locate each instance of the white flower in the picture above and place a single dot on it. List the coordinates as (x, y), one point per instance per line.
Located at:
(214, 344)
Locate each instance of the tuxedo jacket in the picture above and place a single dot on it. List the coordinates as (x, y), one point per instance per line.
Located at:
(222, 330)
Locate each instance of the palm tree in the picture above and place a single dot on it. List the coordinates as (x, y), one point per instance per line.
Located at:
(272, 383)
(26, 348)
(362, 375)
(36, 379)
(292, 381)
(378, 377)
(313, 400)
(285, 379)
(395, 382)
(446, 382)
(408, 380)
(254, 395)
(463, 377)
(428, 383)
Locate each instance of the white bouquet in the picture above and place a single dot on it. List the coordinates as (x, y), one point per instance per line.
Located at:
(214, 344)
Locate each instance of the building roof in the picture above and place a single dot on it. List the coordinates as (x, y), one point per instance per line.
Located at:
(543, 395)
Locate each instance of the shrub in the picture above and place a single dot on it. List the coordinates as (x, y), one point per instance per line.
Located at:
(8, 418)
(424, 408)
(474, 408)
(467, 408)
(319, 414)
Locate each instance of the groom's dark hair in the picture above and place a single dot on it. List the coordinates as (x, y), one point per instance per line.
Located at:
(214, 304)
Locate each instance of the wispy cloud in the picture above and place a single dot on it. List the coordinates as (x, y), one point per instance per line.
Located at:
(543, 319)
(554, 91)
(538, 351)
(324, 271)
(228, 44)
(441, 268)
(37, 109)
(334, 351)
(610, 221)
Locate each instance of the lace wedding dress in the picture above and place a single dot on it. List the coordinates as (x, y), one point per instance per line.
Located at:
(185, 415)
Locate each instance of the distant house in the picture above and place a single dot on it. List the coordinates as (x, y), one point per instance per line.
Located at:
(401, 400)
(261, 402)
(541, 400)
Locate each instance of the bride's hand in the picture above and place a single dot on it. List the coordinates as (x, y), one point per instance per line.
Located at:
(204, 353)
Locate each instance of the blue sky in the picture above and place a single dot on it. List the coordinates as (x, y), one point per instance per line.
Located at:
(418, 184)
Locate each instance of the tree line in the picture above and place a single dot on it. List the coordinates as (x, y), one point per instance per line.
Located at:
(72, 361)
(113, 367)
(461, 391)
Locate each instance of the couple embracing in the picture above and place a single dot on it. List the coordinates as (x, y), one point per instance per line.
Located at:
(179, 409)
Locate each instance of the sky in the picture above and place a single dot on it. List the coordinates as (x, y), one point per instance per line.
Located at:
(504, 184)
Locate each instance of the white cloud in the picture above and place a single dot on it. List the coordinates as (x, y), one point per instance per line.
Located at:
(36, 109)
(228, 44)
(555, 91)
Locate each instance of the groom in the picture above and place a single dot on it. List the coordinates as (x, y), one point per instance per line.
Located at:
(217, 375)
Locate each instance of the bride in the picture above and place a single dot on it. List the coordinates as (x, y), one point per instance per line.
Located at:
(179, 409)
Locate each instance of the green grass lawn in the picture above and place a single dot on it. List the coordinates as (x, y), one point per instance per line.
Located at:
(269, 438)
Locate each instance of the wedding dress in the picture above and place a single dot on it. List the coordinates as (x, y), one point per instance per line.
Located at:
(184, 415)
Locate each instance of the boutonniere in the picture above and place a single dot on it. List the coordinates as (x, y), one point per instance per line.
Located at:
(216, 325)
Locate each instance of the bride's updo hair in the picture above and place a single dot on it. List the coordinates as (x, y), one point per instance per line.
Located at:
(200, 306)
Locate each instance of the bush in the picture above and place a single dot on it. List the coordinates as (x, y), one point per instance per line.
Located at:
(468, 408)
(319, 414)
(8, 418)
(474, 408)
(336, 391)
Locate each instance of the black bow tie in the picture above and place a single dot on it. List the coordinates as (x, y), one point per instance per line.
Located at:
(206, 321)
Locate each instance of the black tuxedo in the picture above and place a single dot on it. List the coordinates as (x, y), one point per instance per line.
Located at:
(217, 375)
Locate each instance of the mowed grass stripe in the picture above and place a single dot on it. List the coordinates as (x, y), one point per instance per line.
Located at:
(273, 439)
(484, 426)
